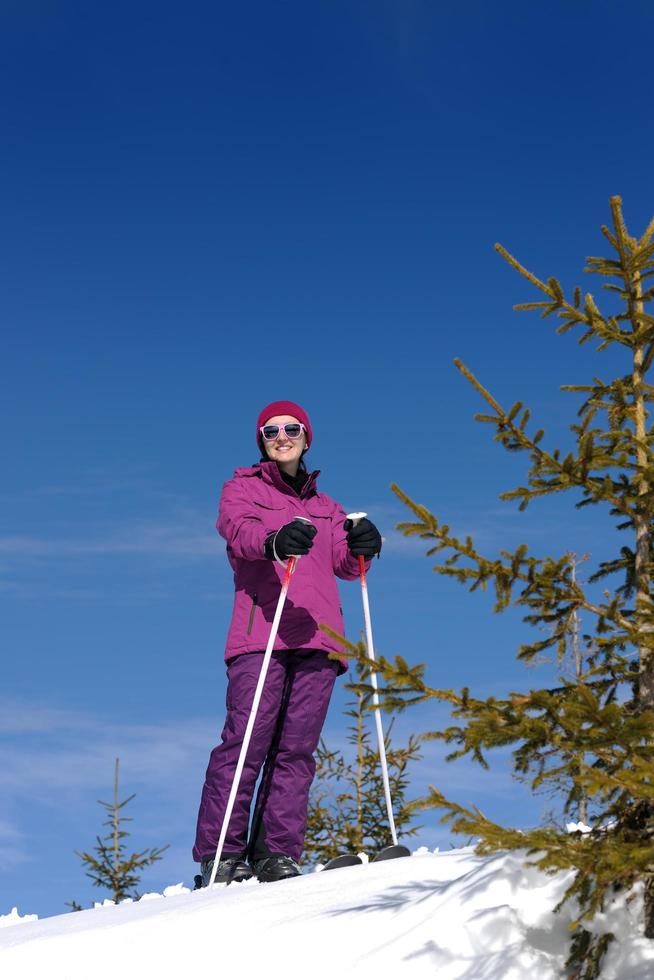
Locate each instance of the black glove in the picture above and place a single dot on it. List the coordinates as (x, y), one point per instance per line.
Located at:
(363, 538)
(295, 538)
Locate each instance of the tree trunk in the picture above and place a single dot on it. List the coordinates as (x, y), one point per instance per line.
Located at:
(116, 829)
(643, 579)
(642, 526)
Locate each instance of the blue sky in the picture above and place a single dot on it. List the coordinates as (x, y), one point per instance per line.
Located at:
(208, 206)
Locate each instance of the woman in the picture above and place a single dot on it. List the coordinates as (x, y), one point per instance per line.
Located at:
(258, 507)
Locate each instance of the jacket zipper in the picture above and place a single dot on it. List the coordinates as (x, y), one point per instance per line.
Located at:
(254, 606)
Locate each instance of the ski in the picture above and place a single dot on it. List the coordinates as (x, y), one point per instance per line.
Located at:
(350, 860)
(386, 854)
(343, 861)
(391, 852)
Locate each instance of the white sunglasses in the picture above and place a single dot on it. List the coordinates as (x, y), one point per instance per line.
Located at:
(292, 430)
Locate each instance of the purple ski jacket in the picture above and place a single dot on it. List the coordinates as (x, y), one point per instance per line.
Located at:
(253, 503)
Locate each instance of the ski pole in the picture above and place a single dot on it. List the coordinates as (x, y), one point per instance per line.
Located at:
(290, 568)
(355, 518)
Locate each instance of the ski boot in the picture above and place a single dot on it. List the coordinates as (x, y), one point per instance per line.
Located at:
(230, 868)
(276, 868)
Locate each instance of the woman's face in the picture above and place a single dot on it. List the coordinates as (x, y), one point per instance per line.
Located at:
(282, 450)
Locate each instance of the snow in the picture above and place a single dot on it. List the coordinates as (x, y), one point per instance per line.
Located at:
(13, 918)
(579, 827)
(452, 915)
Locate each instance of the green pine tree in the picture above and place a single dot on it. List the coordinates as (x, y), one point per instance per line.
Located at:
(109, 866)
(347, 809)
(592, 734)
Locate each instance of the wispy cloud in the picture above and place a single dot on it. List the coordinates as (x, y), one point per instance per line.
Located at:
(71, 560)
(12, 846)
(20, 718)
(170, 527)
(97, 484)
(71, 568)
(143, 538)
(57, 762)
(39, 590)
(98, 487)
(48, 750)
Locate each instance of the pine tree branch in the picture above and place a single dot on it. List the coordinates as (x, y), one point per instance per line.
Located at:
(547, 583)
(567, 473)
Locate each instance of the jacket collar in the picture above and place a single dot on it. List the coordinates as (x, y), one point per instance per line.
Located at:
(269, 472)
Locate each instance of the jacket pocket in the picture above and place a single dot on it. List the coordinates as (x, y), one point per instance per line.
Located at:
(252, 612)
(270, 504)
(317, 508)
(272, 514)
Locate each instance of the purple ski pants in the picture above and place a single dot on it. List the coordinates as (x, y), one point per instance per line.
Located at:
(286, 732)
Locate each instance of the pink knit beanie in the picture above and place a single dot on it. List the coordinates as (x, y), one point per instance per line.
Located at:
(283, 408)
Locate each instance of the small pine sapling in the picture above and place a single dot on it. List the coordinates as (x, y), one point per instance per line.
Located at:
(347, 811)
(109, 866)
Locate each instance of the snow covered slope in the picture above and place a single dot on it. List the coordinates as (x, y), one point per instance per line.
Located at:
(450, 916)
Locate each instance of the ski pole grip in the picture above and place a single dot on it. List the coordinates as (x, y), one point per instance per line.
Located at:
(356, 517)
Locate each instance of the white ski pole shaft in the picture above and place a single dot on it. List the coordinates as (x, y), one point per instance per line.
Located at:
(373, 680)
(253, 712)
